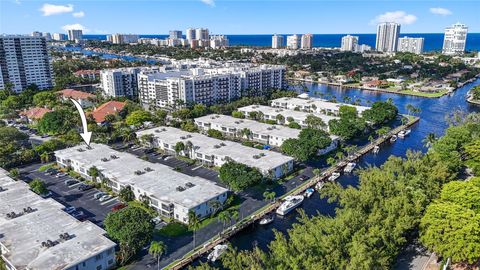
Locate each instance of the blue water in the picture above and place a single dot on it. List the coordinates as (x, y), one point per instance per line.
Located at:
(433, 41)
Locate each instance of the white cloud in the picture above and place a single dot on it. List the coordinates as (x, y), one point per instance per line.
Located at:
(440, 11)
(209, 2)
(79, 14)
(49, 9)
(75, 26)
(399, 16)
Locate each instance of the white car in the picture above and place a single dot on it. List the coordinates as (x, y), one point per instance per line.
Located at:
(105, 198)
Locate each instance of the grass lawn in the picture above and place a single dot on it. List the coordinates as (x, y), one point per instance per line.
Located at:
(46, 167)
(173, 229)
(422, 94)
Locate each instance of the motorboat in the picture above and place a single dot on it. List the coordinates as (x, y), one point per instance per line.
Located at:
(217, 251)
(290, 203)
(376, 149)
(267, 219)
(334, 176)
(319, 185)
(407, 132)
(350, 166)
(401, 134)
(393, 138)
(308, 193)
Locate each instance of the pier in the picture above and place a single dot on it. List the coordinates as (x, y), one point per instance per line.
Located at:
(259, 214)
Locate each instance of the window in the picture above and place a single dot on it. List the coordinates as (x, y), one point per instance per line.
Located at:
(110, 261)
(99, 267)
(98, 257)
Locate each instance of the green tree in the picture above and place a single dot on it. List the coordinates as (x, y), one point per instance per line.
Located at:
(56, 122)
(93, 172)
(307, 145)
(215, 134)
(137, 118)
(238, 114)
(349, 125)
(126, 194)
(381, 112)
(179, 147)
(315, 122)
(156, 250)
(38, 186)
(193, 224)
(224, 217)
(239, 176)
(14, 173)
(269, 195)
(45, 99)
(132, 228)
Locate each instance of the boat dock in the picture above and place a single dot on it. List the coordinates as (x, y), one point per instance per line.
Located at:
(271, 207)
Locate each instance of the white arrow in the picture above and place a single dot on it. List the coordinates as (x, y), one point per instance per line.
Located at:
(86, 135)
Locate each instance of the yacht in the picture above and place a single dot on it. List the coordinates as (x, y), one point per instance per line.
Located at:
(290, 203)
(393, 138)
(350, 166)
(376, 149)
(319, 185)
(217, 251)
(334, 176)
(401, 134)
(309, 192)
(267, 219)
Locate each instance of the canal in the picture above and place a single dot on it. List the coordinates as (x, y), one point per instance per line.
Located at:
(433, 120)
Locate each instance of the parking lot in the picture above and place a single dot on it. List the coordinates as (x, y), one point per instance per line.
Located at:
(93, 209)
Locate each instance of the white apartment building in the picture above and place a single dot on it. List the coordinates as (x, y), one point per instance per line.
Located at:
(361, 48)
(307, 41)
(349, 43)
(25, 60)
(59, 37)
(313, 105)
(36, 34)
(387, 37)
(410, 44)
(218, 41)
(271, 113)
(74, 35)
(208, 85)
(120, 82)
(37, 234)
(215, 152)
(190, 34)
(455, 39)
(293, 42)
(122, 38)
(171, 193)
(277, 41)
(175, 34)
(202, 34)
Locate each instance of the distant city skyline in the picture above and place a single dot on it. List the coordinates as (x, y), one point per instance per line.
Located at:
(233, 17)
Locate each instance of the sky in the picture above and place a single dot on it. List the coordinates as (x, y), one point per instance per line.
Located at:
(234, 17)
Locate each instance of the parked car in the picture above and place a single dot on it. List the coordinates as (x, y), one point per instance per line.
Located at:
(52, 172)
(118, 207)
(70, 182)
(69, 209)
(98, 195)
(303, 177)
(62, 174)
(46, 195)
(83, 187)
(148, 151)
(105, 197)
(78, 214)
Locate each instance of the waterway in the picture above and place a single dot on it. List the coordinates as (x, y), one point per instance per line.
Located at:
(433, 120)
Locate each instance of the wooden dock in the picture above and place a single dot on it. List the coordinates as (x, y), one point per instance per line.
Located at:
(242, 224)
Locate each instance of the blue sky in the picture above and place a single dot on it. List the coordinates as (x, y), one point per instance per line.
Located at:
(234, 17)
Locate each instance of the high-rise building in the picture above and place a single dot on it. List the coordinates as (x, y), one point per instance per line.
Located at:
(36, 34)
(277, 41)
(24, 60)
(218, 41)
(121, 82)
(387, 37)
(349, 43)
(360, 48)
(307, 41)
(175, 34)
(74, 34)
(409, 44)
(47, 36)
(123, 38)
(190, 34)
(293, 42)
(455, 39)
(201, 34)
(59, 36)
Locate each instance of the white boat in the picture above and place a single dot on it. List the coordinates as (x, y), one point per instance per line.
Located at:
(267, 219)
(350, 166)
(334, 176)
(290, 203)
(376, 149)
(217, 251)
(319, 185)
(303, 95)
(309, 192)
(393, 138)
(407, 131)
(401, 134)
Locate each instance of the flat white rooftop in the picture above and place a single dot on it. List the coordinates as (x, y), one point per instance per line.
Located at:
(319, 103)
(267, 110)
(23, 235)
(261, 159)
(254, 126)
(160, 183)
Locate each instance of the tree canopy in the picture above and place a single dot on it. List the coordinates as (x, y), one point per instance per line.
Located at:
(381, 112)
(307, 145)
(138, 117)
(349, 125)
(239, 176)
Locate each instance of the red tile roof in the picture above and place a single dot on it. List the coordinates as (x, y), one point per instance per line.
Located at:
(70, 93)
(35, 113)
(105, 109)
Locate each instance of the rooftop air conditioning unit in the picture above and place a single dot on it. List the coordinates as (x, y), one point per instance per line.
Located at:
(113, 156)
(104, 159)
(189, 184)
(80, 150)
(148, 169)
(180, 188)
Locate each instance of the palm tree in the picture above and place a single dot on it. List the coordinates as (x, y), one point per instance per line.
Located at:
(189, 148)
(317, 172)
(193, 224)
(94, 173)
(179, 147)
(224, 217)
(215, 205)
(429, 140)
(280, 119)
(127, 134)
(157, 248)
(246, 133)
(147, 139)
(44, 157)
(269, 196)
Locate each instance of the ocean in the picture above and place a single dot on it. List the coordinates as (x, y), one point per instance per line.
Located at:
(433, 41)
